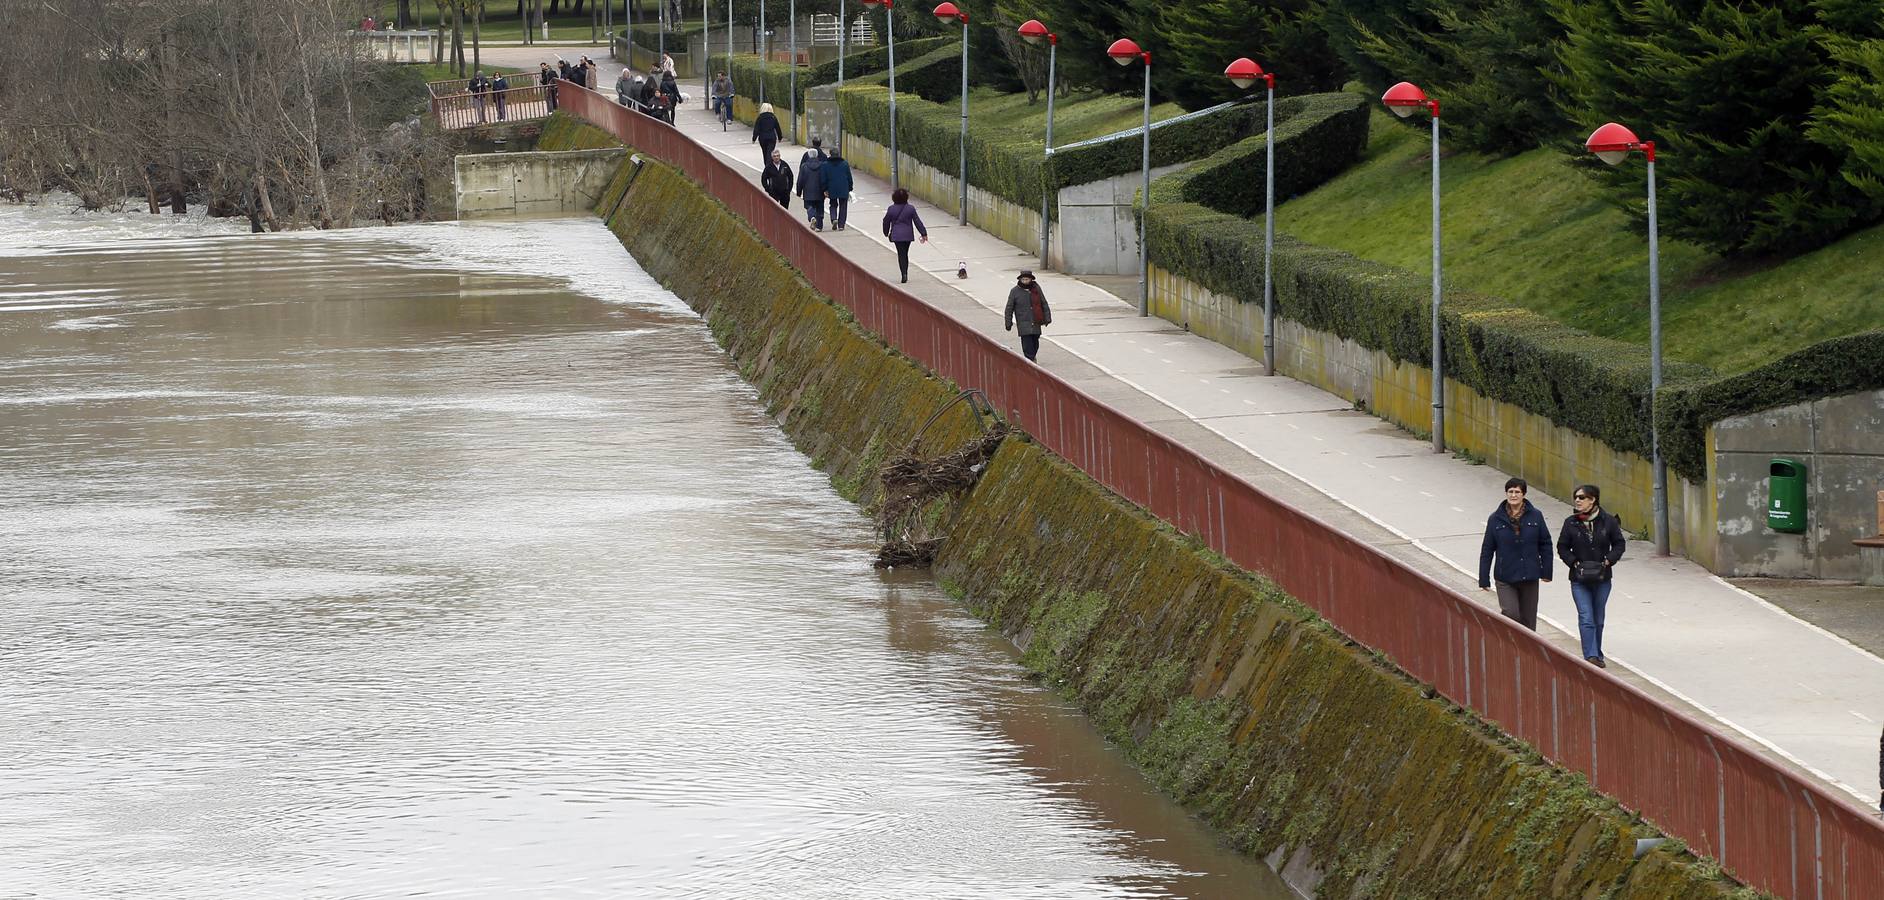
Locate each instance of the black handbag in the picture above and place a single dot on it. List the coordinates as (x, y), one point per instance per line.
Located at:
(1587, 571)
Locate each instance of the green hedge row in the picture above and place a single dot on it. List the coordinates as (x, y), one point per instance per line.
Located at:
(863, 65)
(1317, 136)
(1012, 165)
(1842, 365)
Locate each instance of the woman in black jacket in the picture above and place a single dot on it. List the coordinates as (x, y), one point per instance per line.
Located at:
(1520, 541)
(766, 131)
(1590, 545)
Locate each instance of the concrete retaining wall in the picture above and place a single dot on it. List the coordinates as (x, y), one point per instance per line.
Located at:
(1841, 442)
(1551, 457)
(1299, 746)
(536, 183)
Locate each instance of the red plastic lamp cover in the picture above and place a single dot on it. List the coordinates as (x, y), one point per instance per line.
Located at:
(947, 10)
(1123, 51)
(1033, 32)
(1244, 72)
(1611, 137)
(1406, 93)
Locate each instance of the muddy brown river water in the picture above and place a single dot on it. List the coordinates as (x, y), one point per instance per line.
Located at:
(456, 561)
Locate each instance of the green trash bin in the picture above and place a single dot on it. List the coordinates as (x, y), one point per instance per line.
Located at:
(1786, 493)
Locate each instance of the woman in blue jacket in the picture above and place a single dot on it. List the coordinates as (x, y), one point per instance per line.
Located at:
(1517, 538)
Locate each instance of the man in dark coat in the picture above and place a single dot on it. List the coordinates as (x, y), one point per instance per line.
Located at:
(837, 187)
(1027, 307)
(811, 184)
(479, 87)
(547, 77)
(777, 179)
(499, 85)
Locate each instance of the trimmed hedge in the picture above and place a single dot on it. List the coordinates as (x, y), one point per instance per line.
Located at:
(863, 65)
(1317, 136)
(1012, 165)
(1842, 365)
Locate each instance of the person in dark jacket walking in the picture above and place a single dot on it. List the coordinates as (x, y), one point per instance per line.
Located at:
(777, 180)
(1027, 307)
(765, 130)
(811, 185)
(1590, 545)
(901, 224)
(1518, 539)
(837, 187)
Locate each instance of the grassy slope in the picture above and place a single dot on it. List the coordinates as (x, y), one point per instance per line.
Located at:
(1076, 117)
(1533, 230)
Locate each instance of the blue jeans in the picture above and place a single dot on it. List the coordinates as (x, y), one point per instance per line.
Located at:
(1592, 600)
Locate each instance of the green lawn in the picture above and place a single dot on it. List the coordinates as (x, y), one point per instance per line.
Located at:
(1076, 117)
(1534, 231)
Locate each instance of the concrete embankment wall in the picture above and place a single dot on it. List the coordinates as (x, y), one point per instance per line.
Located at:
(533, 183)
(1300, 746)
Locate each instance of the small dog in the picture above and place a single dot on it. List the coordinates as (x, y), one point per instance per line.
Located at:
(961, 269)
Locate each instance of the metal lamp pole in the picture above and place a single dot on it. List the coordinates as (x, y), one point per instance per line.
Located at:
(791, 29)
(706, 57)
(765, 50)
(1611, 144)
(843, 49)
(945, 12)
(727, 112)
(1033, 32)
(1124, 52)
(1403, 99)
(889, 27)
(1244, 73)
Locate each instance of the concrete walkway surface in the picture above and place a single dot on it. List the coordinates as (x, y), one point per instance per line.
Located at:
(1784, 687)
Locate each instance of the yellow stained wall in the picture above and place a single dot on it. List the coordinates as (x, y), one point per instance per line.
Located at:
(1553, 458)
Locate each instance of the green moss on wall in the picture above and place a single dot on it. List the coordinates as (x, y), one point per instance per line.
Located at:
(1232, 696)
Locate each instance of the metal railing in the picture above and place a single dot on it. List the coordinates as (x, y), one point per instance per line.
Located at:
(1766, 825)
(463, 109)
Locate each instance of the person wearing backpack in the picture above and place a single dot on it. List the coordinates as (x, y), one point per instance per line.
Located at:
(1590, 545)
(1517, 538)
(1027, 307)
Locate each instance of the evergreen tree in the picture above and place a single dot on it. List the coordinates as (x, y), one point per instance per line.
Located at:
(1726, 91)
(1850, 116)
(1086, 29)
(1486, 60)
(1285, 37)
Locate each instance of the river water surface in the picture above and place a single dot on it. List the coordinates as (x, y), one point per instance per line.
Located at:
(454, 560)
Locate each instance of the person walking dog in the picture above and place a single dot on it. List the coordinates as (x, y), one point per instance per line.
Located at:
(1517, 538)
(1590, 545)
(901, 224)
(837, 187)
(1027, 307)
(765, 130)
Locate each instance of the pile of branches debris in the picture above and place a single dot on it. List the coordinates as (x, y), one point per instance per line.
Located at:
(910, 483)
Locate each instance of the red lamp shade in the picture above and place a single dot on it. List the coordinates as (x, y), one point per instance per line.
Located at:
(1404, 98)
(1244, 72)
(1612, 143)
(1033, 32)
(947, 11)
(871, 2)
(1123, 51)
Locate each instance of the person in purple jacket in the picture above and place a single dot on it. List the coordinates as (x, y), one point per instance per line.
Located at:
(901, 224)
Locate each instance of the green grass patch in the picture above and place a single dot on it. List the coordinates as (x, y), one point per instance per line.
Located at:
(1534, 231)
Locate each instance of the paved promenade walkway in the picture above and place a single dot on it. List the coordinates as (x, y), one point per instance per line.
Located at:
(1786, 688)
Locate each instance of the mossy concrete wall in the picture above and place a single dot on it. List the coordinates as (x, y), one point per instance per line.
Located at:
(1553, 458)
(1300, 747)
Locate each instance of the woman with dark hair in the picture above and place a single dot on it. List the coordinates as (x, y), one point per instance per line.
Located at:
(1027, 307)
(1518, 539)
(901, 224)
(1590, 545)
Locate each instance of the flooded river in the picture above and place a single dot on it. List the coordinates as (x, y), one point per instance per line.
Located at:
(454, 560)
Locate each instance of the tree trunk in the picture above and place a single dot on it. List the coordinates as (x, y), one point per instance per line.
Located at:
(403, 20)
(266, 206)
(477, 37)
(457, 37)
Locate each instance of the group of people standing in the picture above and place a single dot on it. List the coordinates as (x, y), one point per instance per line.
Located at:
(493, 86)
(1516, 556)
(581, 72)
(658, 94)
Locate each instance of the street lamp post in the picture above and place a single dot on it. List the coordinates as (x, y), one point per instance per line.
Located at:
(843, 49)
(946, 11)
(765, 51)
(1612, 144)
(1243, 73)
(1033, 33)
(1124, 52)
(706, 56)
(727, 112)
(791, 31)
(889, 28)
(1403, 99)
